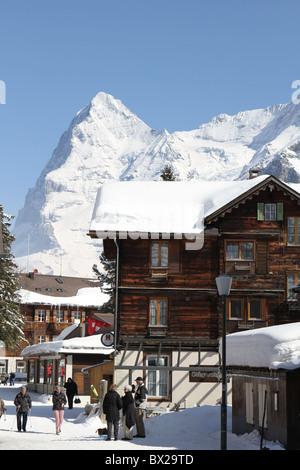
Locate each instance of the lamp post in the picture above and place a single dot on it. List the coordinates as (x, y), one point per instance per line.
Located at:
(223, 285)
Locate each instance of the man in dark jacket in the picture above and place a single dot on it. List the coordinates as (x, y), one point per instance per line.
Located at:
(71, 391)
(23, 404)
(140, 399)
(112, 404)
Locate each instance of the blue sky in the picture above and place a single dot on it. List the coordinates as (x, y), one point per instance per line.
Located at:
(175, 63)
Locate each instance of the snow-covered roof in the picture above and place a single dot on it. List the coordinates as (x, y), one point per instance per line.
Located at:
(80, 345)
(274, 347)
(85, 297)
(164, 206)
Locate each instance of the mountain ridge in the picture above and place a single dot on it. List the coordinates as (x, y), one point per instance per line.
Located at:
(106, 141)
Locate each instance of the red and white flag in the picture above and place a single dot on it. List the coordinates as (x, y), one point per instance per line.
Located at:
(95, 325)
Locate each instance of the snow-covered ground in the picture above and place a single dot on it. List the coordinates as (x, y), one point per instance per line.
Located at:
(193, 429)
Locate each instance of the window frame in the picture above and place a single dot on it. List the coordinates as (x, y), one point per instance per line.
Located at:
(249, 309)
(230, 317)
(267, 205)
(59, 316)
(245, 309)
(297, 231)
(297, 278)
(158, 374)
(240, 242)
(158, 312)
(159, 261)
(41, 315)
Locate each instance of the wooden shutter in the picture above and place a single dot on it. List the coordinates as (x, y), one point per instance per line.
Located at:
(279, 210)
(260, 211)
(261, 257)
(36, 315)
(174, 256)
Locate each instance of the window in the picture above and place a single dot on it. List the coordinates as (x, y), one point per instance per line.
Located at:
(245, 309)
(270, 211)
(254, 309)
(294, 230)
(21, 366)
(292, 280)
(239, 250)
(41, 315)
(77, 316)
(158, 312)
(41, 339)
(158, 380)
(235, 308)
(159, 254)
(59, 316)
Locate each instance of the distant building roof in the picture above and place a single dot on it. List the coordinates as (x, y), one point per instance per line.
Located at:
(58, 286)
(60, 290)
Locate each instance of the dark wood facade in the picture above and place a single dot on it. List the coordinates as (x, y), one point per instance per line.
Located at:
(188, 282)
(174, 305)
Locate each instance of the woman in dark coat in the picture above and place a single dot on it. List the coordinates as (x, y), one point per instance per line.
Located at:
(129, 413)
(112, 404)
(71, 391)
(59, 400)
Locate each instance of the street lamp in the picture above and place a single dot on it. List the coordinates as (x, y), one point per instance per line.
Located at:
(223, 285)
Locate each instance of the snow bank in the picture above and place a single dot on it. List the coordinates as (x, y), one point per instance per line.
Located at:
(275, 347)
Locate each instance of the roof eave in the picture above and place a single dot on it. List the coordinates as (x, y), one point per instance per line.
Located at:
(258, 187)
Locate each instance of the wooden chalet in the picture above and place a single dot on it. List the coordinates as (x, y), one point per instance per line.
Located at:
(168, 314)
(49, 305)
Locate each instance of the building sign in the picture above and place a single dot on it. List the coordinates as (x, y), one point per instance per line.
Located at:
(107, 339)
(203, 376)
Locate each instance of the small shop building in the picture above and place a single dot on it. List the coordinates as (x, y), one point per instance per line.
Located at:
(51, 363)
(265, 368)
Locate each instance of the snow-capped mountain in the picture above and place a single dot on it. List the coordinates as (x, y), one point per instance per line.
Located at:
(106, 141)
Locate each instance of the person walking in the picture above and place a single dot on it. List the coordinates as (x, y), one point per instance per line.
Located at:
(140, 400)
(12, 379)
(112, 404)
(59, 400)
(23, 404)
(71, 391)
(2, 408)
(129, 413)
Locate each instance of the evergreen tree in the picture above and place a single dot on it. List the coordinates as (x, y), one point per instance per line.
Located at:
(108, 282)
(11, 321)
(167, 174)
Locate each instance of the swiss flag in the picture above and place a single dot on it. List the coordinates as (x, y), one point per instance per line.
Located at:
(95, 325)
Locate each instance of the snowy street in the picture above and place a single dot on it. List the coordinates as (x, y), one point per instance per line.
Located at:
(193, 429)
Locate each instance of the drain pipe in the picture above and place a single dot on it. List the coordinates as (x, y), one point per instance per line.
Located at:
(117, 297)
